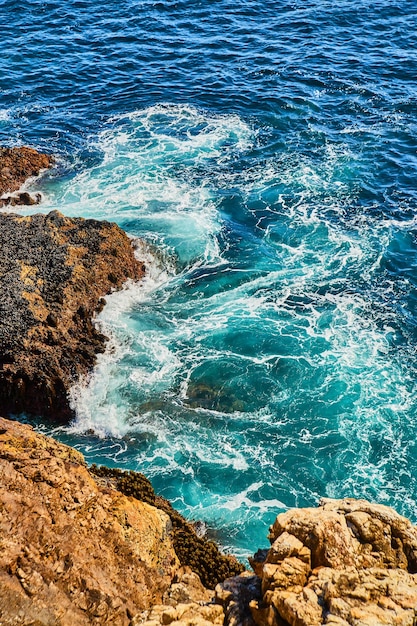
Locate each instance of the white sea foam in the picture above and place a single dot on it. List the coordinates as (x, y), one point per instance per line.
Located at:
(242, 499)
(302, 354)
(148, 174)
(91, 397)
(156, 170)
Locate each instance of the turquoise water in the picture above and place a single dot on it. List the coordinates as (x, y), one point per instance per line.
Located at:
(265, 154)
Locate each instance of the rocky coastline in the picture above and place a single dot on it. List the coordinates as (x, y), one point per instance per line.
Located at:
(96, 546)
(54, 274)
(78, 548)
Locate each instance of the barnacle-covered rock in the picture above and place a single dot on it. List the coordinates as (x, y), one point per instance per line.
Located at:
(54, 272)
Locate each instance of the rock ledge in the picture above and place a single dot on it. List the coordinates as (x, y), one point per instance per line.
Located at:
(16, 166)
(54, 271)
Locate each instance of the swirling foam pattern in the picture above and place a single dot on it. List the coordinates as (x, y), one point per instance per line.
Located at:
(266, 155)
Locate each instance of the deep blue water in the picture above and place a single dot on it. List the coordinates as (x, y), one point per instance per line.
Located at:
(266, 154)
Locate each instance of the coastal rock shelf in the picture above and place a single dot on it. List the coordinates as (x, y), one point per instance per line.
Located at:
(54, 272)
(16, 166)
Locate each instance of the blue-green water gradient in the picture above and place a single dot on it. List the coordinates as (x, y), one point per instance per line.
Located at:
(265, 153)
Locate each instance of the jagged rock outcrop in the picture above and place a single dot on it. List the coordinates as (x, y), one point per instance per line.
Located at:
(348, 562)
(198, 553)
(16, 166)
(75, 550)
(54, 271)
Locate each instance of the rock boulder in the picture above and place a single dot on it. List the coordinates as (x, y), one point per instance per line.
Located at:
(16, 166)
(348, 562)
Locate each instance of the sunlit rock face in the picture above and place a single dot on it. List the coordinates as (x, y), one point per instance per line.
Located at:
(73, 552)
(347, 562)
(16, 166)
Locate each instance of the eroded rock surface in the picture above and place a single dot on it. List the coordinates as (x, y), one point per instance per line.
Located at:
(185, 603)
(72, 552)
(197, 553)
(348, 562)
(16, 166)
(54, 271)
(75, 550)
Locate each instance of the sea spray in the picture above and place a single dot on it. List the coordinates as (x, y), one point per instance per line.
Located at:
(267, 362)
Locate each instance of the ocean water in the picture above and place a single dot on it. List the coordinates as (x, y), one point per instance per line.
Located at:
(265, 153)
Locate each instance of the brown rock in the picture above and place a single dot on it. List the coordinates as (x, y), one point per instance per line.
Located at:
(236, 595)
(190, 614)
(187, 587)
(72, 552)
(54, 272)
(16, 166)
(186, 603)
(347, 532)
(348, 562)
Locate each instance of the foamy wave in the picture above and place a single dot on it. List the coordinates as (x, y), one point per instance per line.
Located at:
(242, 499)
(266, 360)
(156, 173)
(4, 115)
(91, 398)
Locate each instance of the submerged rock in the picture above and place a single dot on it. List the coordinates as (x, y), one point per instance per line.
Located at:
(218, 398)
(16, 166)
(348, 562)
(54, 271)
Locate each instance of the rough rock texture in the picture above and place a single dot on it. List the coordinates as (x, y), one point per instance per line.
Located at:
(185, 603)
(196, 552)
(16, 166)
(72, 552)
(348, 562)
(75, 550)
(53, 273)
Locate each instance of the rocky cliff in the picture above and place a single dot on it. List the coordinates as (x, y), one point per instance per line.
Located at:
(53, 273)
(75, 549)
